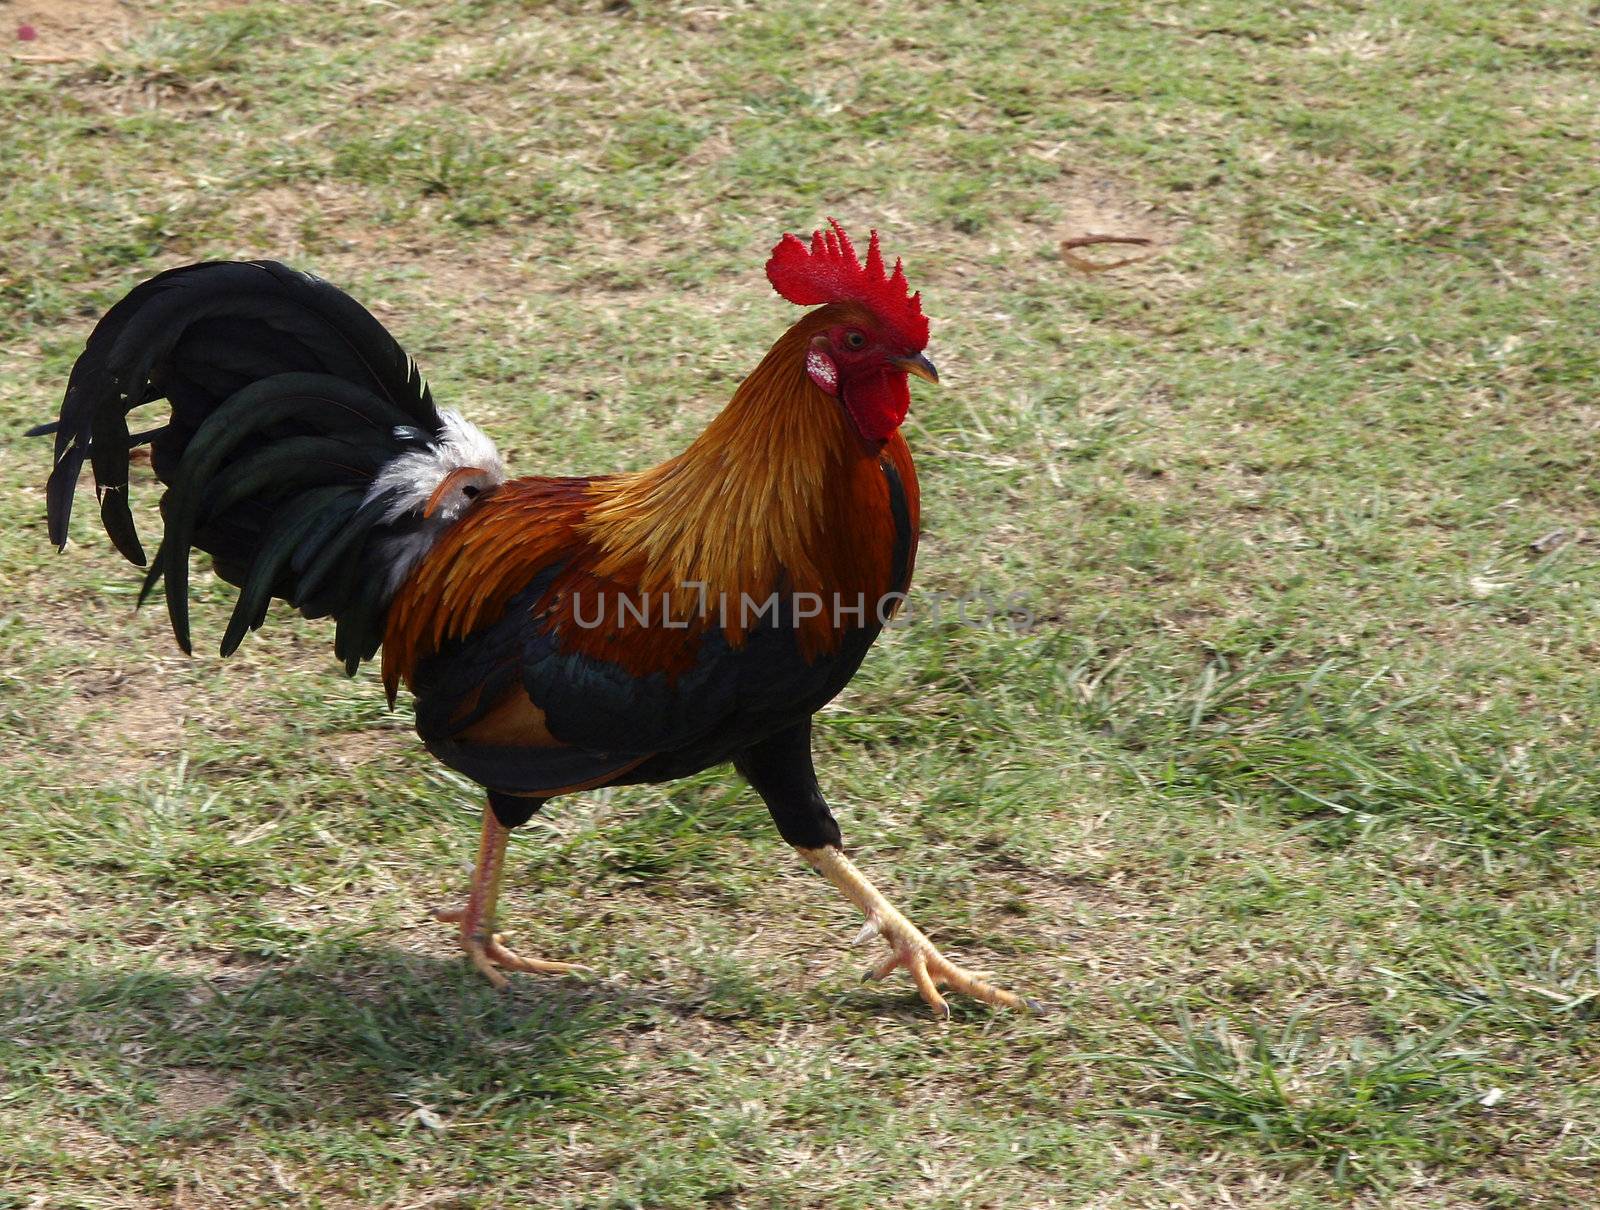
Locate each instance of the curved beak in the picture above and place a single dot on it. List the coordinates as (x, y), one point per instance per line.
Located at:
(918, 365)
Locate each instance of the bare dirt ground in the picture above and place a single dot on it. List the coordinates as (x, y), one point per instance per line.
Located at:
(65, 29)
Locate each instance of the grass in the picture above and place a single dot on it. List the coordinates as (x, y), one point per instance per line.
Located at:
(1284, 797)
(1361, 1115)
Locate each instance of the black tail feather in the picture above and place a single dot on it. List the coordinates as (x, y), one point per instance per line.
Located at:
(285, 399)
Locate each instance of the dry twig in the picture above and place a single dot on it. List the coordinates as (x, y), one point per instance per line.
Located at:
(1082, 265)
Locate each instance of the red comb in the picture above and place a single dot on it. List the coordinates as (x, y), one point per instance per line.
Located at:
(828, 272)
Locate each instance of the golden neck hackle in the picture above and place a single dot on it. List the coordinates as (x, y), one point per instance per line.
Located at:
(752, 498)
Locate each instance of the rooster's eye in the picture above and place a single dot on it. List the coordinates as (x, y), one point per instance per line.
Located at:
(854, 339)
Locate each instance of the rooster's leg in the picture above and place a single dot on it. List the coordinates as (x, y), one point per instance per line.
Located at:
(923, 962)
(779, 767)
(482, 944)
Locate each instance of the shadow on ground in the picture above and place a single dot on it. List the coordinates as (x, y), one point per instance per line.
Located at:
(335, 1036)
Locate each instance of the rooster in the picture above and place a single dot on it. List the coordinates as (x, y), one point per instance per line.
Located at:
(557, 634)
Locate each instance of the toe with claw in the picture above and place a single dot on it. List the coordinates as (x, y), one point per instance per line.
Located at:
(491, 955)
(912, 950)
(929, 968)
(482, 944)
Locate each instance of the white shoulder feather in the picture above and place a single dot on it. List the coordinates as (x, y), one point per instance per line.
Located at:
(462, 450)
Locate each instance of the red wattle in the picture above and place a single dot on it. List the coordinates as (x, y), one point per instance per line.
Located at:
(877, 403)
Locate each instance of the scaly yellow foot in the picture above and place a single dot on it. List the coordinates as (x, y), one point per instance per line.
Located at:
(927, 967)
(490, 954)
(483, 945)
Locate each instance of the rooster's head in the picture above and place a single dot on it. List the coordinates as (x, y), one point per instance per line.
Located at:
(873, 332)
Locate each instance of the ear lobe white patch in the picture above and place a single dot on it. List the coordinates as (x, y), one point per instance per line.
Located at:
(822, 371)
